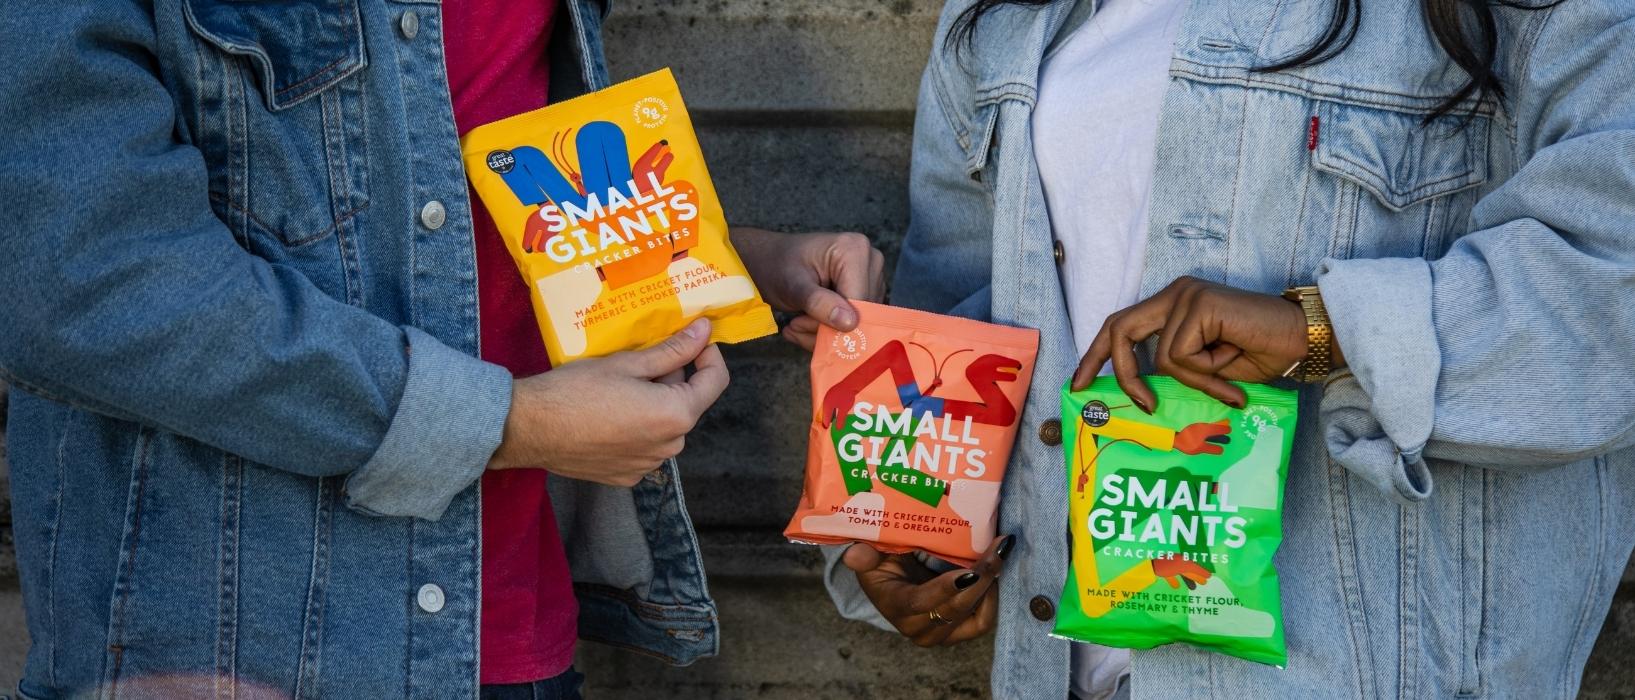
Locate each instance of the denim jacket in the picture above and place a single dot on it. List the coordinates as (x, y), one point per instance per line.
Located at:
(1461, 501)
(240, 325)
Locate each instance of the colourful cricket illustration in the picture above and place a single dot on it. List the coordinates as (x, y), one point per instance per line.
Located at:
(913, 419)
(621, 251)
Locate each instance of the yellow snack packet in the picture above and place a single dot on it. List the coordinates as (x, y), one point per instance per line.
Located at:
(609, 213)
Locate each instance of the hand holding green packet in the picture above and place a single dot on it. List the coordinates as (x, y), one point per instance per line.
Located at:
(1175, 518)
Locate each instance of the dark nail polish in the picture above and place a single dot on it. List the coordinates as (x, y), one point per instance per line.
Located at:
(1004, 549)
(966, 580)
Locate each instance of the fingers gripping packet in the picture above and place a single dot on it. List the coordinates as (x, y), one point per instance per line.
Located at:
(608, 211)
(914, 415)
(1175, 518)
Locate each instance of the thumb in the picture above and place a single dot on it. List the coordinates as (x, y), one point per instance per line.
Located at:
(672, 354)
(829, 308)
(709, 379)
(861, 557)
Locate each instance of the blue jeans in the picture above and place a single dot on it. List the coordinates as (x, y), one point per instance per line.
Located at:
(564, 686)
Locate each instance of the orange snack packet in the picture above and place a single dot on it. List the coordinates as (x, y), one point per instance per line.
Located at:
(914, 415)
(610, 215)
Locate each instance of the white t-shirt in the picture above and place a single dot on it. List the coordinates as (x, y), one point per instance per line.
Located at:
(1094, 132)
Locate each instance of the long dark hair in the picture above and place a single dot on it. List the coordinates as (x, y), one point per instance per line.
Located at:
(1466, 30)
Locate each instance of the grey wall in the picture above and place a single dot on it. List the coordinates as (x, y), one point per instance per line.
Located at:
(804, 109)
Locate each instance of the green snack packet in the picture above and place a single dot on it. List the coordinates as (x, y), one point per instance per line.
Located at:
(1175, 518)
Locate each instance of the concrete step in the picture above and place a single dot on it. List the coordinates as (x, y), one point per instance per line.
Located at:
(782, 640)
(757, 553)
(821, 178)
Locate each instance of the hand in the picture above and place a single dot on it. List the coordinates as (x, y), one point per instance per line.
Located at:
(965, 601)
(613, 419)
(1208, 336)
(812, 274)
(1203, 438)
(1175, 571)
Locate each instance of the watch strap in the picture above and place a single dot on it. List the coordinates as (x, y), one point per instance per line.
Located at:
(1319, 336)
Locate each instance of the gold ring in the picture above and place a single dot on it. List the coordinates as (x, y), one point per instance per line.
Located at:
(937, 617)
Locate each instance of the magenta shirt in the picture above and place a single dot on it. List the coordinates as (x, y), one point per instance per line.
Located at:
(498, 67)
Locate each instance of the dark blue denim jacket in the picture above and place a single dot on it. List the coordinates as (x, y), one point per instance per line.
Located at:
(241, 327)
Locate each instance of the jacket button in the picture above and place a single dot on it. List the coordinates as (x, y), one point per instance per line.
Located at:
(409, 24)
(1042, 608)
(1057, 251)
(1050, 432)
(430, 598)
(432, 215)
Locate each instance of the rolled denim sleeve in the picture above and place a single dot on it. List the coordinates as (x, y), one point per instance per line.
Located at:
(448, 423)
(1377, 417)
(127, 296)
(1514, 349)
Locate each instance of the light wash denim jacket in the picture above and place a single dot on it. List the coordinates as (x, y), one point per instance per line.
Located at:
(1461, 502)
(240, 321)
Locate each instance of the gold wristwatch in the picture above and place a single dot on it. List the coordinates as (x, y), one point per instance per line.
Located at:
(1319, 336)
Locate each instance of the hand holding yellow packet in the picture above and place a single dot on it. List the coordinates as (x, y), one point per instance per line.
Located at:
(609, 213)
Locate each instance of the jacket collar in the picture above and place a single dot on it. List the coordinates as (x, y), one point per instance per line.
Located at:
(1005, 52)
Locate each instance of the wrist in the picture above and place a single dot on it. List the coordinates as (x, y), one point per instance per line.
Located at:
(752, 245)
(1317, 361)
(519, 442)
(503, 457)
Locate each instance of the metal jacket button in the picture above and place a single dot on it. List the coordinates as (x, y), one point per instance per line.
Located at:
(1050, 432)
(1042, 608)
(409, 24)
(430, 598)
(432, 215)
(1057, 251)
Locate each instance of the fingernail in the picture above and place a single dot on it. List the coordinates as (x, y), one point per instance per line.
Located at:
(966, 580)
(841, 316)
(1141, 404)
(1004, 549)
(695, 330)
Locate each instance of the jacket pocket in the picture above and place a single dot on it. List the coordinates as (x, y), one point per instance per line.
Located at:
(1396, 156)
(1402, 186)
(280, 115)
